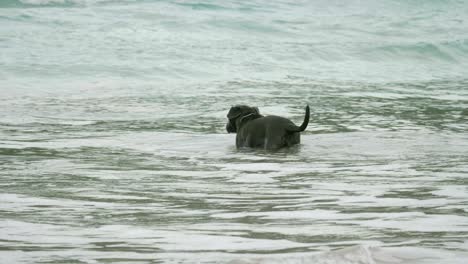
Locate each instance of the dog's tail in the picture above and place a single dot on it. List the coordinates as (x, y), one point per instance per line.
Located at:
(306, 119)
(304, 123)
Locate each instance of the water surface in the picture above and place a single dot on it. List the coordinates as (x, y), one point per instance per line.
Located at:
(113, 148)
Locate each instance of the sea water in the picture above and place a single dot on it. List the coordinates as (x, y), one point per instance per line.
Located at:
(113, 146)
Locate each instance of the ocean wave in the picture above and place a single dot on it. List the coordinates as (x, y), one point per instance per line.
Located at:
(74, 3)
(196, 6)
(40, 3)
(50, 3)
(363, 254)
(202, 6)
(449, 51)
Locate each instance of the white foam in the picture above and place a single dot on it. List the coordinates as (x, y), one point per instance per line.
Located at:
(365, 254)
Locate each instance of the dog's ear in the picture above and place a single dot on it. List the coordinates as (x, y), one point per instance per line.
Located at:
(234, 112)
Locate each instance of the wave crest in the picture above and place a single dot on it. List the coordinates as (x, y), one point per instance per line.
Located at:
(450, 51)
(47, 3)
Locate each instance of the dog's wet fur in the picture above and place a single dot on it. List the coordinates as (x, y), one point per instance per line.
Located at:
(268, 132)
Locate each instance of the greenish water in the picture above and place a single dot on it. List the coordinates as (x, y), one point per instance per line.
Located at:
(113, 148)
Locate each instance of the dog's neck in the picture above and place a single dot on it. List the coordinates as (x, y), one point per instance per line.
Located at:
(243, 119)
(246, 116)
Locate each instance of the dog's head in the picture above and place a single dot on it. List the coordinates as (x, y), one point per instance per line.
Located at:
(240, 113)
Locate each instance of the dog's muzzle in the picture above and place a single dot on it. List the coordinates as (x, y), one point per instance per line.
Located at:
(230, 127)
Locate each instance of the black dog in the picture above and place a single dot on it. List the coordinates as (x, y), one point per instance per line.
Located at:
(268, 132)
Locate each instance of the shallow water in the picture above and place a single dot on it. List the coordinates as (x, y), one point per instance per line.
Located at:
(113, 148)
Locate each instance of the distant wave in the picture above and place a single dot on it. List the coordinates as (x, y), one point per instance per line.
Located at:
(49, 3)
(65, 3)
(26, 3)
(195, 5)
(450, 51)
